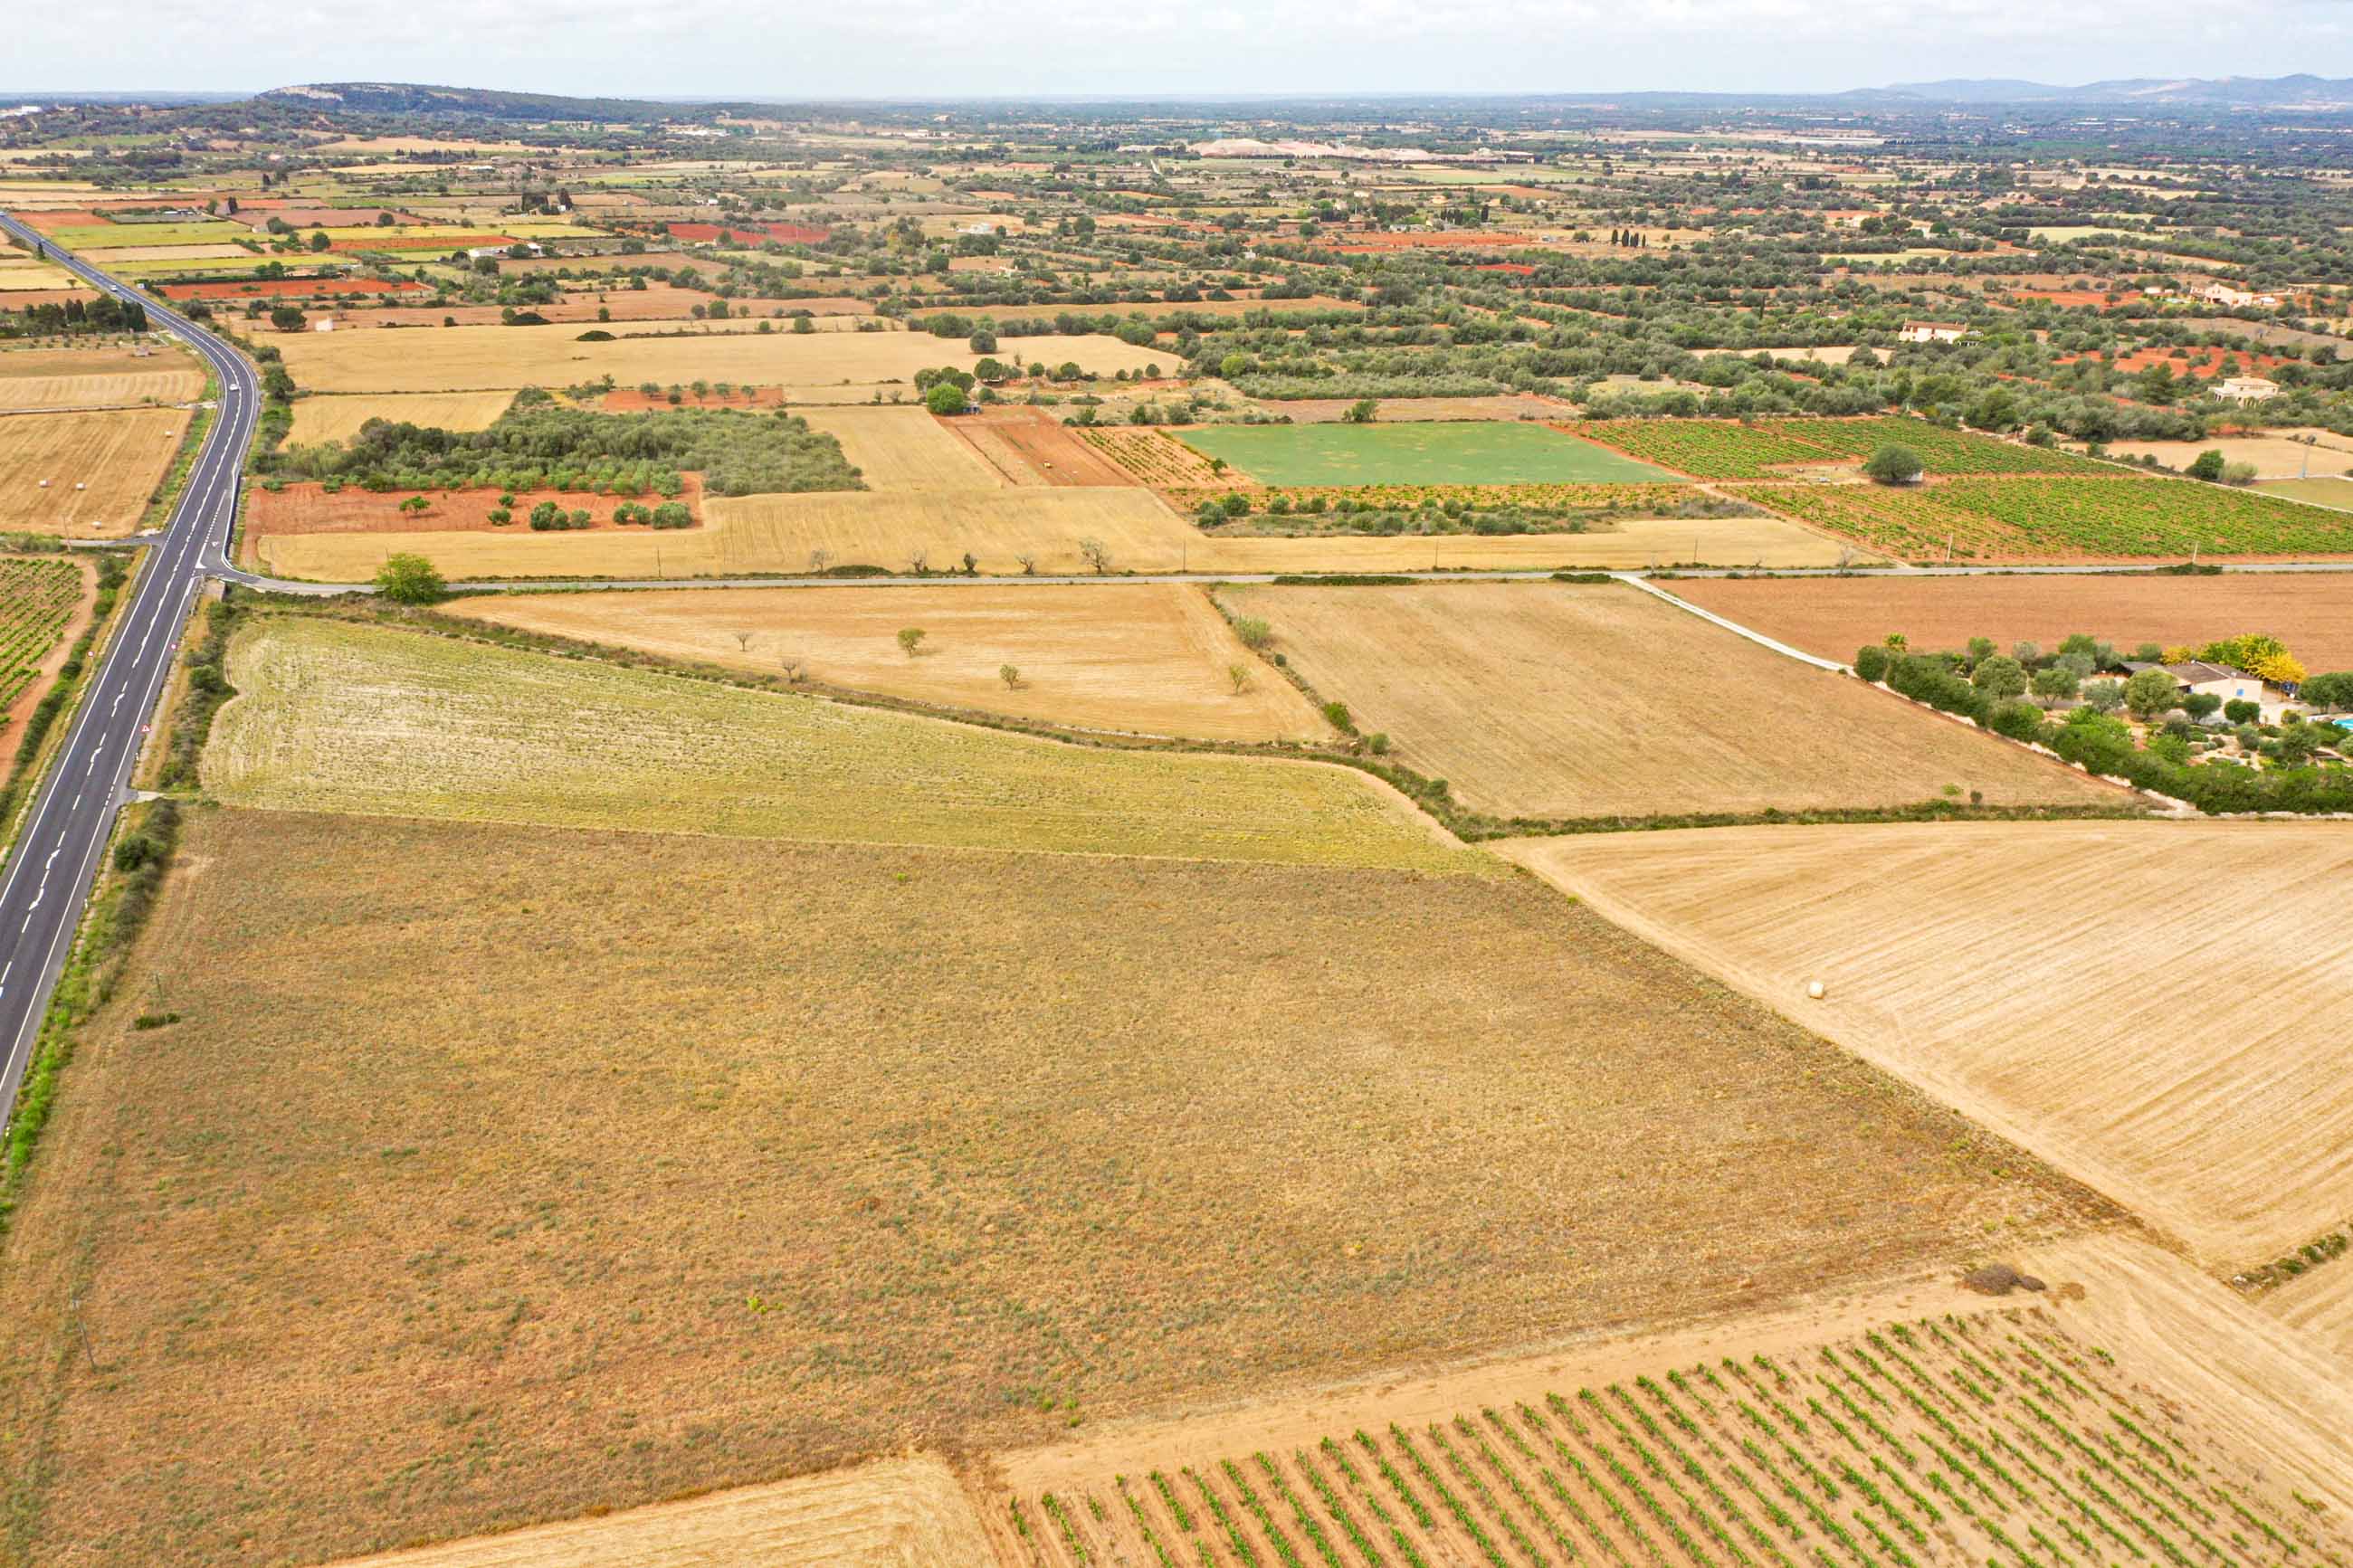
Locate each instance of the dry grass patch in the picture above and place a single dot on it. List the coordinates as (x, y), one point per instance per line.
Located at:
(1144, 656)
(493, 1176)
(2311, 612)
(319, 419)
(338, 716)
(455, 358)
(2151, 1006)
(1575, 701)
(904, 450)
(88, 475)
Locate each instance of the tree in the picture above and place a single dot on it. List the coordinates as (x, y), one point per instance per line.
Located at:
(982, 342)
(1241, 675)
(910, 639)
(2207, 466)
(2149, 693)
(1097, 556)
(416, 504)
(2201, 704)
(288, 318)
(2104, 696)
(410, 580)
(1253, 630)
(1010, 675)
(1361, 412)
(1895, 465)
(945, 398)
(2238, 710)
(1999, 676)
(319, 241)
(2056, 683)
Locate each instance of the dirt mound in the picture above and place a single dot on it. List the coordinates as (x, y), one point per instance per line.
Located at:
(1999, 1280)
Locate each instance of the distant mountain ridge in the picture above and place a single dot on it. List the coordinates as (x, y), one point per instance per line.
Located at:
(480, 103)
(2262, 92)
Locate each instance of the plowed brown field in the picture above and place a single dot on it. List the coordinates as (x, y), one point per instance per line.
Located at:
(1030, 446)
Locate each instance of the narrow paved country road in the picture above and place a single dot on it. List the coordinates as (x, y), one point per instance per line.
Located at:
(47, 880)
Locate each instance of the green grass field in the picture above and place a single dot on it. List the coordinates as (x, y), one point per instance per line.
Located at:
(2315, 491)
(1469, 452)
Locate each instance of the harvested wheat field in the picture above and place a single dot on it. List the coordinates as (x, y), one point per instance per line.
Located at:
(1559, 701)
(95, 378)
(2275, 455)
(1030, 446)
(88, 475)
(705, 1169)
(2312, 612)
(904, 450)
(2150, 1006)
(2319, 1304)
(1965, 1425)
(778, 533)
(459, 358)
(337, 716)
(890, 1513)
(1147, 657)
(331, 418)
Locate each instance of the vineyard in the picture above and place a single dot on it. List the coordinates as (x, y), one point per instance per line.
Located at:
(1704, 448)
(1726, 449)
(36, 599)
(2112, 515)
(1159, 460)
(1994, 1438)
(1548, 498)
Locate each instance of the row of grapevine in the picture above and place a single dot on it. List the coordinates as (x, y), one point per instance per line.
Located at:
(36, 599)
(1759, 449)
(1992, 1439)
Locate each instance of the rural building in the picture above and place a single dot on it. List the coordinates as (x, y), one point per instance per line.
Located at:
(2247, 388)
(2196, 677)
(2232, 298)
(1933, 333)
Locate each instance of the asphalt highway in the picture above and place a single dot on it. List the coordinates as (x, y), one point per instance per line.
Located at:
(46, 882)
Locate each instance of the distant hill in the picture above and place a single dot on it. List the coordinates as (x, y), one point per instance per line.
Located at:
(2264, 92)
(477, 103)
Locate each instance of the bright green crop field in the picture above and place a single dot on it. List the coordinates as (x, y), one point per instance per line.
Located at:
(1465, 452)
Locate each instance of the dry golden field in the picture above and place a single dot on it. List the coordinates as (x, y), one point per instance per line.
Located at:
(95, 378)
(337, 716)
(495, 1175)
(2152, 1006)
(2319, 1304)
(1148, 656)
(818, 365)
(890, 1513)
(120, 455)
(2311, 612)
(2275, 455)
(1556, 701)
(331, 418)
(775, 534)
(904, 450)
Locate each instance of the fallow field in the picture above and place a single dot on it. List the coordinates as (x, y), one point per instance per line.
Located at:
(2152, 1006)
(1152, 658)
(834, 1151)
(335, 715)
(1831, 617)
(1560, 701)
(88, 475)
(821, 366)
(904, 450)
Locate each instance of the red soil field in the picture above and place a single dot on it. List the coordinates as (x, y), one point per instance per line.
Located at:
(309, 508)
(755, 233)
(24, 298)
(2203, 364)
(72, 217)
(289, 289)
(1521, 268)
(1029, 447)
(1374, 244)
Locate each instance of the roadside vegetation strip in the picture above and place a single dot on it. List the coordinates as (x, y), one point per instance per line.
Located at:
(2000, 1436)
(365, 717)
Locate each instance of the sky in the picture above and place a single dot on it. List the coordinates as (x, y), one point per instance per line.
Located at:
(958, 48)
